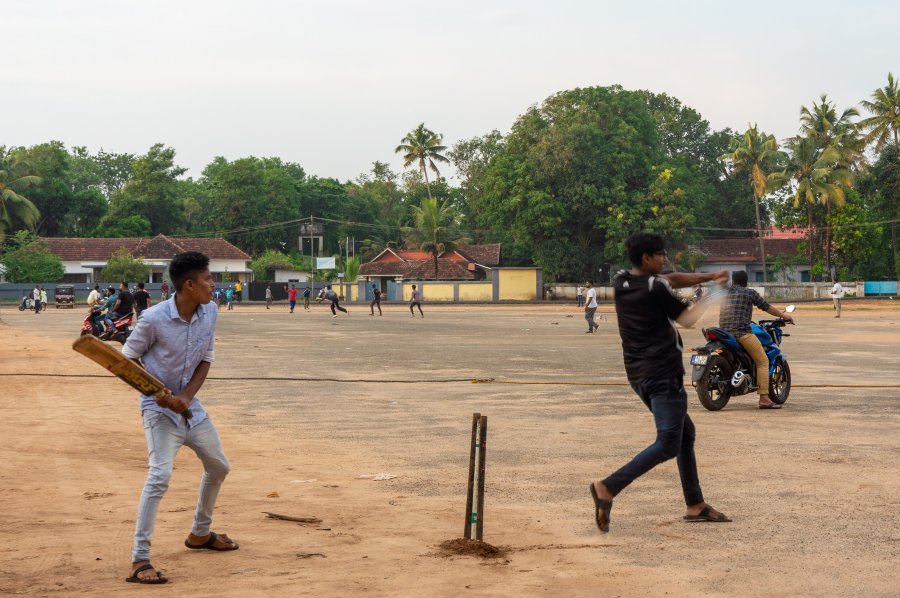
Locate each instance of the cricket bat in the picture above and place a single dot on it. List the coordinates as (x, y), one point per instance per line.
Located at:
(129, 371)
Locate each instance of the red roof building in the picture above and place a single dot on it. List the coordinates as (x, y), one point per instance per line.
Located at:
(84, 258)
(471, 262)
(744, 254)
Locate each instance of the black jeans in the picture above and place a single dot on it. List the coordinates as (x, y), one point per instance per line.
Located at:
(675, 433)
(336, 305)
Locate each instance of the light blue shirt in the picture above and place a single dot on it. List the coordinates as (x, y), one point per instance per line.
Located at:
(171, 349)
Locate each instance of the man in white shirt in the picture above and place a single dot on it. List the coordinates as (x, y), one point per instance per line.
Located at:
(579, 296)
(837, 293)
(590, 307)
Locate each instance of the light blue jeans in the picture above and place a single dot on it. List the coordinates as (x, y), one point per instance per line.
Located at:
(164, 438)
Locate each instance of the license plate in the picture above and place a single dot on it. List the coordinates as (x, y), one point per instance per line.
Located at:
(699, 359)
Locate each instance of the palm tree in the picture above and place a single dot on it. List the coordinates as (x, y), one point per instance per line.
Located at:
(884, 124)
(423, 145)
(823, 123)
(434, 230)
(818, 178)
(754, 153)
(15, 209)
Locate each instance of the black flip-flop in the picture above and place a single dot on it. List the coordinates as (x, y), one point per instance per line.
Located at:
(210, 544)
(601, 507)
(706, 516)
(771, 406)
(159, 579)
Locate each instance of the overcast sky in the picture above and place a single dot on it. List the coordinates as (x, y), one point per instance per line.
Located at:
(334, 85)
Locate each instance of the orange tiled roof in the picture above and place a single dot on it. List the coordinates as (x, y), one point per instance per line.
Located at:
(744, 250)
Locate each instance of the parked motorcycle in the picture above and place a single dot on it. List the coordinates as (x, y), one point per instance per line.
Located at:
(27, 303)
(122, 326)
(722, 369)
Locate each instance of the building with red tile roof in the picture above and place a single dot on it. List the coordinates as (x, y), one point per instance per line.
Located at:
(84, 258)
(744, 254)
(471, 262)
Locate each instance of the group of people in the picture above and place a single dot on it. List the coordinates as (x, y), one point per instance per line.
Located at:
(108, 306)
(328, 293)
(647, 311)
(39, 298)
(222, 296)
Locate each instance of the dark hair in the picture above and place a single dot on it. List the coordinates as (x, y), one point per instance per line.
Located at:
(414, 286)
(187, 265)
(140, 285)
(96, 287)
(739, 278)
(590, 282)
(640, 243)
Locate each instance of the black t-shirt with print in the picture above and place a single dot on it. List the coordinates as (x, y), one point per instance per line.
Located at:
(646, 309)
(126, 303)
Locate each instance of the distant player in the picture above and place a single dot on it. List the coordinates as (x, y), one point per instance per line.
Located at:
(306, 294)
(335, 304)
(292, 297)
(376, 301)
(415, 300)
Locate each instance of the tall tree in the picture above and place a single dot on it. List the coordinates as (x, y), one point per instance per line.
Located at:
(434, 230)
(817, 178)
(424, 146)
(16, 210)
(753, 154)
(831, 127)
(884, 125)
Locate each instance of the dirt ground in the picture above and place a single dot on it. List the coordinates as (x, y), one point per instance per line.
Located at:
(814, 489)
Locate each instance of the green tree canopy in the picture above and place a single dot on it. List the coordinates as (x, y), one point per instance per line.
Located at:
(434, 230)
(423, 147)
(123, 266)
(27, 258)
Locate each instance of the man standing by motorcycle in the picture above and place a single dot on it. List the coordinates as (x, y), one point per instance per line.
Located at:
(735, 316)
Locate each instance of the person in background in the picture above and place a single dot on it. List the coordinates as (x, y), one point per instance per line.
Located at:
(164, 290)
(591, 307)
(837, 293)
(229, 298)
(335, 303)
(579, 296)
(306, 294)
(292, 297)
(238, 291)
(376, 300)
(36, 297)
(268, 296)
(142, 301)
(415, 300)
(43, 298)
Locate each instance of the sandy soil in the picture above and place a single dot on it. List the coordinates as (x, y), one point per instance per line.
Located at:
(814, 489)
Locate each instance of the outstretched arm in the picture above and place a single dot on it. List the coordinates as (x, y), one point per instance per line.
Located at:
(680, 280)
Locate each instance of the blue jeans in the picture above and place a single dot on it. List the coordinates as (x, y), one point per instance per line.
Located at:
(164, 438)
(675, 433)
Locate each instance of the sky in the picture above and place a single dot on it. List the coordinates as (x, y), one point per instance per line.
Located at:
(334, 85)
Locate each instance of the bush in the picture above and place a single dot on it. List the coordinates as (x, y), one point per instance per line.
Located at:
(27, 258)
(268, 260)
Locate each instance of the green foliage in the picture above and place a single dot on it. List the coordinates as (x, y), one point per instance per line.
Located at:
(434, 230)
(351, 271)
(27, 258)
(152, 193)
(16, 210)
(130, 226)
(423, 147)
(268, 260)
(884, 124)
(123, 266)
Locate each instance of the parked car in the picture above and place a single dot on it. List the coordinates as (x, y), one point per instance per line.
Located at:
(64, 296)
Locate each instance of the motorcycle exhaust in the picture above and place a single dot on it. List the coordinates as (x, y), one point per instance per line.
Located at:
(737, 378)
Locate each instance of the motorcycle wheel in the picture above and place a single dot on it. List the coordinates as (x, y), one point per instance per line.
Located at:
(21, 308)
(780, 383)
(714, 389)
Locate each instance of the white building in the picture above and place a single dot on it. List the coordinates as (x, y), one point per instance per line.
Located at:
(84, 258)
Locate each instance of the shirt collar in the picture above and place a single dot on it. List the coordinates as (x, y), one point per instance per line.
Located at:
(173, 309)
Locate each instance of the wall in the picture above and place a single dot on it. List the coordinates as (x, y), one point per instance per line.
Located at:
(476, 291)
(517, 284)
(437, 291)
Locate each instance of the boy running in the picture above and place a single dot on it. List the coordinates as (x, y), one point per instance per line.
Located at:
(415, 301)
(292, 297)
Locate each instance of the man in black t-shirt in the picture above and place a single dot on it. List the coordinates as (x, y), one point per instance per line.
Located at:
(647, 311)
(141, 301)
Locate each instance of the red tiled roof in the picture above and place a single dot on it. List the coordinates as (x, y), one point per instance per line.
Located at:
(70, 249)
(447, 270)
(744, 250)
(486, 255)
(393, 268)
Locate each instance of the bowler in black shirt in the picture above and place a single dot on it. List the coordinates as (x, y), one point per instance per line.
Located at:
(647, 310)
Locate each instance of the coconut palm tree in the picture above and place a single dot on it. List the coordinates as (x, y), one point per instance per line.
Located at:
(884, 125)
(15, 209)
(818, 178)
(434, 230)
(823, 123)
(753, 153)
(424, 146)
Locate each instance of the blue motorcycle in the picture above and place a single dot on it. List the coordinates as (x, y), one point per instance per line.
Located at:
(722, 369)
